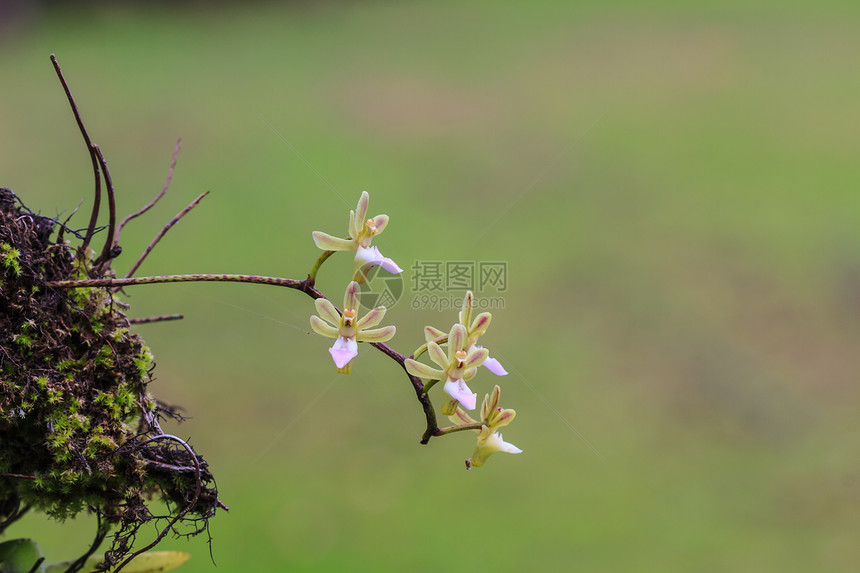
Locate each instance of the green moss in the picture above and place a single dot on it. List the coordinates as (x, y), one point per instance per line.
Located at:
(119, 334)
(55, 396)
(98, 444)
(71, 379)
(143, 361)
(105, 357)
(22, 340)
(65, 364)
(10, 258)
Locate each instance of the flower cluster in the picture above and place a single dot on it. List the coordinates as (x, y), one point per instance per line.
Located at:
(457, 364)
(346, 328)
(456, 367)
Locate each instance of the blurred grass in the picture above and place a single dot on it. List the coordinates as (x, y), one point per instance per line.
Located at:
(674, 188)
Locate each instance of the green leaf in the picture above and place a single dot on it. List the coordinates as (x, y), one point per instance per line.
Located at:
(19, 556)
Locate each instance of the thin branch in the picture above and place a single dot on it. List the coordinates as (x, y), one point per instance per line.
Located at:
(151, 319)
(163, 231)
(432, 428)
(170, 467)
(426, 405)
(300, 285)
(98, 187)
(108, 251)
(106, 282)
(66, 222)
(152, 203)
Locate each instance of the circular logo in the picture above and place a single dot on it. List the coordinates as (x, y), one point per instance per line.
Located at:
(380, 288)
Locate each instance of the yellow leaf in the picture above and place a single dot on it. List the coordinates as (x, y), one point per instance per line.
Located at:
(152, 562)
(156, 561)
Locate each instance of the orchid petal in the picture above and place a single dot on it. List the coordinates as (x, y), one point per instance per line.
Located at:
(350, 297)
(448, 406)
(479, 325)
(495, 366)
(502, 418)
(461, 417)
(506, 447)
(376, 334)
(327, 311)
(458, 390)
(421, 370)
(466, 310)
(476, 356)
(494, 443)
(320, 327)
(389, 265)
(433, 334)
(380, 222)
(493, 402)
(328, 243)
(437, 355)
(364, 257)
(370, 256)
(371, 319)
(361, 209)
(456, 341)
(343, 350)
(353, 228)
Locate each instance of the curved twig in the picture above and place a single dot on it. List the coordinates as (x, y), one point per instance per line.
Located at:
(62, 225)
(108, 250)
(179, 515)
(152, 203)
(426, 405)
(98, 180)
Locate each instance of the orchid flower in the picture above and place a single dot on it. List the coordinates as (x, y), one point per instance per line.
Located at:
(474, 329)
(361, 232)
(348, 331)
(490, 440)
(457, 366)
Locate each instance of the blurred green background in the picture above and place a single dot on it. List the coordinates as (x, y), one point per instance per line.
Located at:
(674, 187)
